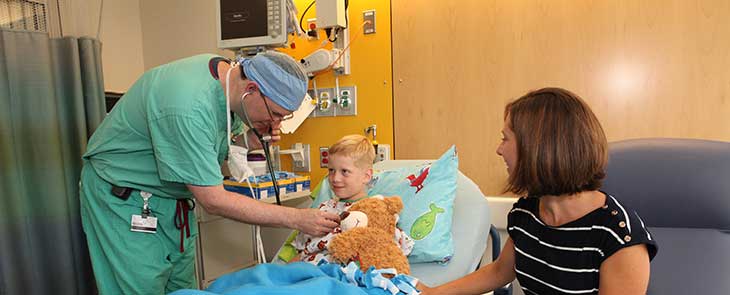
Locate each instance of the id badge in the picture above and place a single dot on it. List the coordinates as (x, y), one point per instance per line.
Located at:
(144, 224)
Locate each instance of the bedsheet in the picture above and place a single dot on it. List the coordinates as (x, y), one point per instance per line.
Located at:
(305, 278)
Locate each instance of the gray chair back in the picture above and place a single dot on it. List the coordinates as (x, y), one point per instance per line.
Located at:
(672, 182)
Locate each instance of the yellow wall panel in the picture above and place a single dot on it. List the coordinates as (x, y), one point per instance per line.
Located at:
(371, 73)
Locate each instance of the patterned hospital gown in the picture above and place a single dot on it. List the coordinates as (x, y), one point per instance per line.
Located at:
(313, 249)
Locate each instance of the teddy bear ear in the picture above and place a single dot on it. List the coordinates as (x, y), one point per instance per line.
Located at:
(395, 204)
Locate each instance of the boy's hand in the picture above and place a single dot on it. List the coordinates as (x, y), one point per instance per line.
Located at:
(295, 259)
(315, 222)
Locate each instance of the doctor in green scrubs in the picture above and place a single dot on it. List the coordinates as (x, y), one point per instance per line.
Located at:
(161, 147)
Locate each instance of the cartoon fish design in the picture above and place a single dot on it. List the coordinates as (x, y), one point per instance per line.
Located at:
(424, 223)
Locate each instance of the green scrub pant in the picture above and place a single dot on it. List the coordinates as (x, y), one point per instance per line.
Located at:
(127, 262)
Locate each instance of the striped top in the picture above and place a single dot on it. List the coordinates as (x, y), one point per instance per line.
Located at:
(566, 259)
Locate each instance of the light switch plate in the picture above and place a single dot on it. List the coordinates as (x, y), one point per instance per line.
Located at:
(368, 15)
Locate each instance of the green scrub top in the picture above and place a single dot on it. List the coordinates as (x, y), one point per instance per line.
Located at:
(168, 130)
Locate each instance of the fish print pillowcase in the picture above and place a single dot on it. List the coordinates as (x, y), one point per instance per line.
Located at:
(428, 192)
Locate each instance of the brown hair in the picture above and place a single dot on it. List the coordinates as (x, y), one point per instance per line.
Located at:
(561, 147)
(357, 147)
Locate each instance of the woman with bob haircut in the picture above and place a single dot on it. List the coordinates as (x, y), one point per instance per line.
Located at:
(565, 235)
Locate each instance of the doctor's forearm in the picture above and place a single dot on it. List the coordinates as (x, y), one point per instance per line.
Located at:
(218, 201)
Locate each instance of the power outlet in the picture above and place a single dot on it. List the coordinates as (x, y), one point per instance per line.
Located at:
(324, 156)
(383, 153)
(312, 29)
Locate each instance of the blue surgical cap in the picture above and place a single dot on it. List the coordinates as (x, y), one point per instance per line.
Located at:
(279, 77)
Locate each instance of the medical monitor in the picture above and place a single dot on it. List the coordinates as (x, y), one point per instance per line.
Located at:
(251, 23)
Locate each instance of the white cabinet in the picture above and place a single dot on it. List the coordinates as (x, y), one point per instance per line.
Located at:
(225, 245)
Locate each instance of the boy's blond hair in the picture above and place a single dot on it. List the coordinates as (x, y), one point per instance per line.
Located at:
(357, 147)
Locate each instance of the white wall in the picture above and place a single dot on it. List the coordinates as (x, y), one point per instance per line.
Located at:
(116, 23)
(121, 37)
(173, 29)
(137, 35)
(78, 17)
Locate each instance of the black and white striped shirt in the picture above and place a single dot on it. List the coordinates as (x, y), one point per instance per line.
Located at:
(566, 259)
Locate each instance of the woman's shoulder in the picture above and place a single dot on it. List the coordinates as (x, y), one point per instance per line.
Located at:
(526, 203)
(622, 226)
(524, 212)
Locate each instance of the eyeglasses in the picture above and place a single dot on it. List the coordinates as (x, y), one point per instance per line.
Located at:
(281, 118)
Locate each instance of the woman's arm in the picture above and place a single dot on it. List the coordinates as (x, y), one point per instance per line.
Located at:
(625, 272)
(487, 278)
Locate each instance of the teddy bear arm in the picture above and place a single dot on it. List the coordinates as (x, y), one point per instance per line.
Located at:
(344, 246)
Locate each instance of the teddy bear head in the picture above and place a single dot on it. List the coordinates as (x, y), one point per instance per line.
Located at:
(375, 212)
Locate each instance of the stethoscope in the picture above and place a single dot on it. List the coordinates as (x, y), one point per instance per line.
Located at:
(265, 140)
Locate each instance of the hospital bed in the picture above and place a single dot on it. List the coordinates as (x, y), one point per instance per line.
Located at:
(471, 229)
(681, 190)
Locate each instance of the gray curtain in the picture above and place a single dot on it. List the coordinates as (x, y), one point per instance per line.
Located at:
(51, 100)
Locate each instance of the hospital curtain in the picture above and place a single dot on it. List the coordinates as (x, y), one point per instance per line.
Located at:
(51, 99)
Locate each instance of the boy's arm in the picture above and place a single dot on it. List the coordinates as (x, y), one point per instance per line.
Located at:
(405, 242)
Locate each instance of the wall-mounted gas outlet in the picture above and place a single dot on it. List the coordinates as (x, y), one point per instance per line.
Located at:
(325, 107)
(328, 105)
(346, 105)
(325, 101)
(324, 156)
(383, 152)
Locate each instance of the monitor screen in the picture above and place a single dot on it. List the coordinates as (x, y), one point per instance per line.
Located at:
(243, 19)
(251, 23)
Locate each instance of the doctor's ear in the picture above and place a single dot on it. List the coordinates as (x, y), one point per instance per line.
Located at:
(252, 87)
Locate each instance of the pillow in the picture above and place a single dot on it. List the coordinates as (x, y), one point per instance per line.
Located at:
(428, 192)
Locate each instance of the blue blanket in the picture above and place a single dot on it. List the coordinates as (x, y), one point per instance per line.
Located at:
(300, 278)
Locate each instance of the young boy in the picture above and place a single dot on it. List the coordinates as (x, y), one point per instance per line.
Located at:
(350, 171)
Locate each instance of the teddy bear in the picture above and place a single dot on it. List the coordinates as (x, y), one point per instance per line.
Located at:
(368, 229)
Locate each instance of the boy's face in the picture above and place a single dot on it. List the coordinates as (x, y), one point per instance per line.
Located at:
(347, 180)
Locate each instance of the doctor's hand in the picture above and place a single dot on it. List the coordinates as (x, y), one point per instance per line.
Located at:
(272, 130)
(275, 132)
(315, 222)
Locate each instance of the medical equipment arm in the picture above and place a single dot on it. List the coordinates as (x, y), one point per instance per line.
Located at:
(216, 200)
